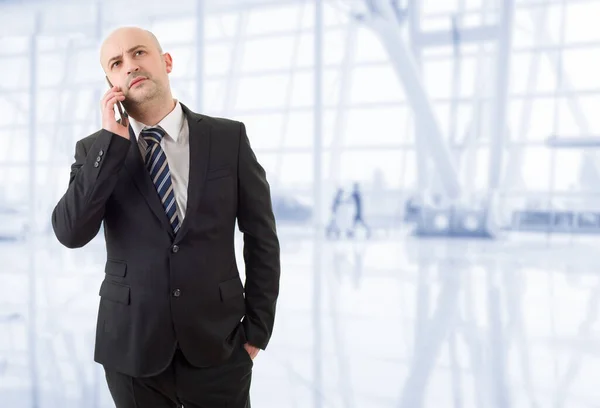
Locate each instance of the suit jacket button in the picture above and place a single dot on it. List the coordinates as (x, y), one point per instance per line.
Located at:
(176, 292)
(98, 158)
(101, 152)
(96, 164)
(175, 249)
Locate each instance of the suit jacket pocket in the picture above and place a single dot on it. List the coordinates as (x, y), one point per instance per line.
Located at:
(231, 288)
(115, 292)
(218, 173)
(115, 268)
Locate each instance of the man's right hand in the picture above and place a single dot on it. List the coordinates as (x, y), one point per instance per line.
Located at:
(109, 122)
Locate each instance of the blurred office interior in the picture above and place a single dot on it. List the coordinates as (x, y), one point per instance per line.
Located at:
(435, 175)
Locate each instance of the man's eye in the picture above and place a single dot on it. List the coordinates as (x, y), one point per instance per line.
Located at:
(139, 51)
(114, 63)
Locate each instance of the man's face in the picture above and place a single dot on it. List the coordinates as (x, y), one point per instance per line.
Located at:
(131, 59)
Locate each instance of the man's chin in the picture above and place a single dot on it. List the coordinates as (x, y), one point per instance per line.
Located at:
(137, 99)
(136, 94)
(141, 95)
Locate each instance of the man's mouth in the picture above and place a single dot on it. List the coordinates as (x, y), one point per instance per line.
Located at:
(136, 81)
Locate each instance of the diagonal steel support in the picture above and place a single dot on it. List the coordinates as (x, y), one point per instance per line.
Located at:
(383, 22)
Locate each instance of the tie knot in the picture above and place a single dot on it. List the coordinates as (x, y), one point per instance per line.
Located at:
(153, 135)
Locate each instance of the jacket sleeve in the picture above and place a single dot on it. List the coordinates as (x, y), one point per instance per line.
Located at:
(78, 215)
(261, 245)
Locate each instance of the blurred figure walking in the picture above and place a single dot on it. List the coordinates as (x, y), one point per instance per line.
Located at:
(333, 228)
(358, 219)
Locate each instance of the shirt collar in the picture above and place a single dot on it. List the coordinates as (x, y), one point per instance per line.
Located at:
(171, 123)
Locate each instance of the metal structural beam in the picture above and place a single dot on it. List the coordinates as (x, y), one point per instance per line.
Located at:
(515, 157)
(235, 66)
(542, 35)
(382, 21)
(288, 98)
(16, 20)
(200, 53)
(577, 142)
(341, 122)
(422, 159)
(474, 131)
(498, 125)
(32, 335)
(318, 224)
(467, 35)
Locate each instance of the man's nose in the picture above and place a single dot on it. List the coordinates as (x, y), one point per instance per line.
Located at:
(132, 68)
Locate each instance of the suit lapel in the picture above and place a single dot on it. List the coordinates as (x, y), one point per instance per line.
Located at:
(199, 142)
(141, 177)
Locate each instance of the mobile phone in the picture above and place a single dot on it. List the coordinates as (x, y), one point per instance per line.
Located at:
(120, 108)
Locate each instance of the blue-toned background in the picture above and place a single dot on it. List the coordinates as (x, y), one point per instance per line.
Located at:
(469, 130)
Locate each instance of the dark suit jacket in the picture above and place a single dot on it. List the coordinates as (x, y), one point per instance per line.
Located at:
(160, 289)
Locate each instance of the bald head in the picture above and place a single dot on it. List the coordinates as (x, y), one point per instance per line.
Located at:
(126, 35)
(155, 40)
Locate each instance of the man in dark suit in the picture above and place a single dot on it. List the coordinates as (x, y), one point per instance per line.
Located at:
(176, 325)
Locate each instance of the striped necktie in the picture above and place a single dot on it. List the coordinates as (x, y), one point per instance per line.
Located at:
(158, 167)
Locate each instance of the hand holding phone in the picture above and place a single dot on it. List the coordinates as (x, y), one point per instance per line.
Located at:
(113, 97)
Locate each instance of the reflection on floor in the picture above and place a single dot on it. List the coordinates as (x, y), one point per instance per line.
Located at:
(398, 322)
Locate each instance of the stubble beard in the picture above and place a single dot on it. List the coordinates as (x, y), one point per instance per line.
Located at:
(137, 99)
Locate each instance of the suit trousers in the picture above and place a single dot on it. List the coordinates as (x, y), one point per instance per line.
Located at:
(222, 386)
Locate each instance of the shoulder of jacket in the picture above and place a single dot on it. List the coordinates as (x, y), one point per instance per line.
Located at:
(220, 122)
(90, 139)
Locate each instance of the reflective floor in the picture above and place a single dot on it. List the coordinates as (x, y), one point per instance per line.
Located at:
(389, 322)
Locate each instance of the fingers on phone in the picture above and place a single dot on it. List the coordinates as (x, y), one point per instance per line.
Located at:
(110, 103)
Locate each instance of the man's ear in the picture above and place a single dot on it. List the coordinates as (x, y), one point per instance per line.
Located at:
(168, 62)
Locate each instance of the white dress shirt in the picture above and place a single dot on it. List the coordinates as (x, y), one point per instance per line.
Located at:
(176, 146)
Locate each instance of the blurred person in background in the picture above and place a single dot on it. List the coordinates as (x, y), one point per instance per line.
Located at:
(356, 199)
(333, 229)
(175, 325)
